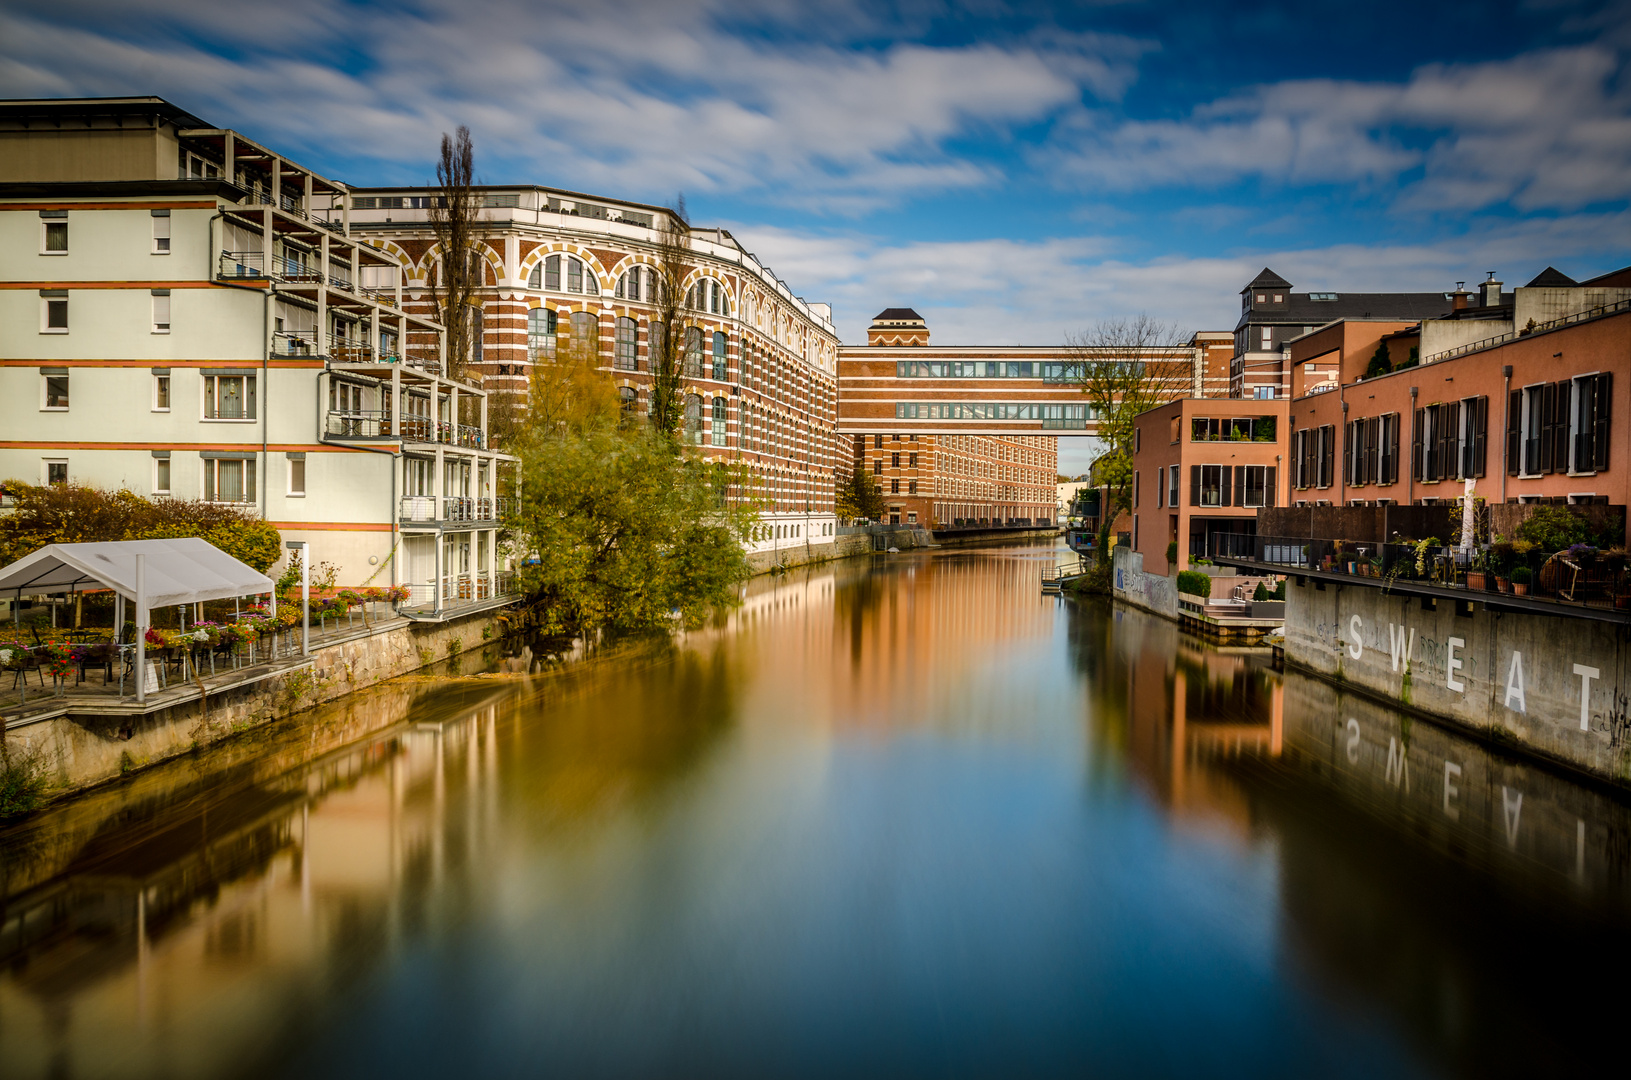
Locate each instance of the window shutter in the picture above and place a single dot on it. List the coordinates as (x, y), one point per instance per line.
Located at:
(1415, 448)
(1224, 498)
(1328, 454)
(1348, 456)
(1161, 487)
(1514, 432)
(1548, 429)
(1560, 436)
(1450, 467)
(1480, 432)
(1602, 401)
(1268, 486)
(1194, 485)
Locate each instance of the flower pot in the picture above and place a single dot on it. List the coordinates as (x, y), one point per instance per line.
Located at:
(1520, 588)
(1502, 584)
(1351, 565)
(1475, 580)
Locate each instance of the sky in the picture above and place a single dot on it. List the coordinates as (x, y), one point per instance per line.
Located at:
(1014, 171)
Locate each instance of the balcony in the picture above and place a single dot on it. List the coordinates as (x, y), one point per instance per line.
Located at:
(457, 593)
(376, 424)
(461, 509)
(1577, 582)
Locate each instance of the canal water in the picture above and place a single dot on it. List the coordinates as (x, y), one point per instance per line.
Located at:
(905, 817)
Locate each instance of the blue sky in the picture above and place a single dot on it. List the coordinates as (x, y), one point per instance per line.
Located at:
(1013, 171)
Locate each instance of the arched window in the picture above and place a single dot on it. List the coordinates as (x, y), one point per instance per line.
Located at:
(629, 286)
(627, 330)
(719, 356)
(719, 422)
(541, 324)
(693, 352)
(693, 419)
(709, 295)
(579, 278)
(586, 332)
(628, 401)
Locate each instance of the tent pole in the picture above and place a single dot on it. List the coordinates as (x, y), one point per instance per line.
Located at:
(141, 629)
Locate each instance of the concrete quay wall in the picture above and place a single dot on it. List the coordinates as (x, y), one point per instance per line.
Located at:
(839, 547)
(1553, 685)
(93, 742)
(1132, 584)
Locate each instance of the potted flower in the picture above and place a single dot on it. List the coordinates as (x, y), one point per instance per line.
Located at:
(1478, 572)
(1521, 576)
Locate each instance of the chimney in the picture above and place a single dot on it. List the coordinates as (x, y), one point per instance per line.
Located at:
(1461, 299)
(1491, 290)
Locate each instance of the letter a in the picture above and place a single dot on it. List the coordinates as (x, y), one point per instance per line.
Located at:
(1514, 683)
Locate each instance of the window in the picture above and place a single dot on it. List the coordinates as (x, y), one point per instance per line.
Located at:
(229, 397)
(54, 471)
(718, 433)
(628, 401)
(1327, 454)
(161, 393)
(574, 275)
(552, 272)
(894, 487)
(693, 419)
(628, 286)
(1264, 392)
(1172, 486)
(1138, 439)
(911, 487)
(161, 472)
(877, 442)
(53, 311)
(627, 334)
(877, 467)
(1209, 485)
(478, 333)
(693, 352)
(161, 232)
(54, 390)
(1254, 485)
(53, 232)
(161, 311)
(1135, 489)
(586, 332)
(1267, 337)
(912, 461)
(297, 476)
(229, 480)
(894, 460)
(541, 334)
(719, 356)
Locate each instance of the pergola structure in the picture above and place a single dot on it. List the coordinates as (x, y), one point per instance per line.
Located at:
(147, 573)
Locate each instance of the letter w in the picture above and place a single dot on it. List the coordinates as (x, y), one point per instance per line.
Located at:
(1397, 640)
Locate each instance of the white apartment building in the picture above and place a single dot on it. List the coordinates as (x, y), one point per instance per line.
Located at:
(761, 379)
(187, 314)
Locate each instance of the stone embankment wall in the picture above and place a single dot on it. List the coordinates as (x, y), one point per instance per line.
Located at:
(1555, 685)
(1133, 585)
(77, 750)
(840, 547)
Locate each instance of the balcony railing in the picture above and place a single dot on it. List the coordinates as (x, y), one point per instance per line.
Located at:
(1581, 576)
(376, 424)
(238, 265)
(456, 508)
(456, 589)
(295, 343)
(349, 350)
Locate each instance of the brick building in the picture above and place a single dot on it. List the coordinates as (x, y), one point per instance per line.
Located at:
(761, 363)
(956, 481)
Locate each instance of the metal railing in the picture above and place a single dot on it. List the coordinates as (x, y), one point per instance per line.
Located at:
(1579, 576)
(455, 508)
(376, 424)
(1554, 324)
(242, 264)
(349, 350)
(456, 589)
(295, 343)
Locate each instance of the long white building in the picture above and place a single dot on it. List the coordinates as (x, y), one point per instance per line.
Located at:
(186, 313)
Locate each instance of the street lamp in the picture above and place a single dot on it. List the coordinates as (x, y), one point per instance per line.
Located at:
(305, 594)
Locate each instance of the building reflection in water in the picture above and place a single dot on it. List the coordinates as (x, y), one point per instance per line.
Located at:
(1416, 866)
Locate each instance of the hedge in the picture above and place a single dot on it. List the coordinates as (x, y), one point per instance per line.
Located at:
(1195, 583)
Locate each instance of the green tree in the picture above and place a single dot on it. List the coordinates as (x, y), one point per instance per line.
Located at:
(860, 496)
(1379, 362)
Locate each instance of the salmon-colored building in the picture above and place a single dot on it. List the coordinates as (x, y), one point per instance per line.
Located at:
(1536, 411)
(1203, 466)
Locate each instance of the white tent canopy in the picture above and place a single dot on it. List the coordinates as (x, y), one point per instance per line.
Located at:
(185, 570)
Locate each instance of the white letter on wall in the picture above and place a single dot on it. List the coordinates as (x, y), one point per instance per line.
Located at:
(1353, 738)
(1451, 791)
(1356, 647)
(1586, 675)
(1451, 664)
(1514, 682)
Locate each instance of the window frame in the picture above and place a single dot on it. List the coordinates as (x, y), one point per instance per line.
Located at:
(163, 468)
(161, 307)
(49, 299)
(46, 379)
(209, 404)
(162, 392)
(46, 465)
(211, 480)
(51, 220)
(161, 243)
(293, 470)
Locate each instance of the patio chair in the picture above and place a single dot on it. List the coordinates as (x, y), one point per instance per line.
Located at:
(98, 656)
(24, 663)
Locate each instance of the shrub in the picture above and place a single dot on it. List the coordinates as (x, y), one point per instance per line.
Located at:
(1553, 528)
(1194, 583)
(1172, 552)
(1522, 575)
(1262, 592)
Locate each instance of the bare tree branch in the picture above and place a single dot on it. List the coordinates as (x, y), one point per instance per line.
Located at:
(669, 323)
(454, 214)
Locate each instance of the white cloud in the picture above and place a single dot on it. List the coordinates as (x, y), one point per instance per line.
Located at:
(642, 98)
(1545, 130)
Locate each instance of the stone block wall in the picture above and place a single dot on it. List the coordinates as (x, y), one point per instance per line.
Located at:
(1555, 685)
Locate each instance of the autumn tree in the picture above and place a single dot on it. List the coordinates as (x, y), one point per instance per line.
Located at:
(455, 221)
(860, 496)
(1126, 366)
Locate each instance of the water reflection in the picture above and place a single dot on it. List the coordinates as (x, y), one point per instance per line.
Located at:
(903, 816)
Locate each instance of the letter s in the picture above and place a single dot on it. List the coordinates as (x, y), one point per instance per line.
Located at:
(1356, 647)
